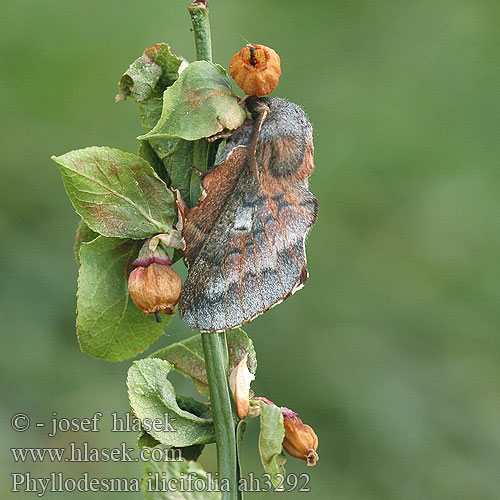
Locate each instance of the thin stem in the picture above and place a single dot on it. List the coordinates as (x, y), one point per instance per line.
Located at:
(222, 413)
(201, 28)
(214, 344)
(198, 11)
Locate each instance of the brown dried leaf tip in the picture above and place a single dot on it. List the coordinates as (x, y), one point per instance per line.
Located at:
(256, 69)
(239, 382)
(153, 285)
(300, 439)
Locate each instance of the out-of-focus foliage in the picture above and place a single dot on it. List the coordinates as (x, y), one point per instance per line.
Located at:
(392, 350)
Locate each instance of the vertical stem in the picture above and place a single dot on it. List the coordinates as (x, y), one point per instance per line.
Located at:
(198, 11)
(215, 362)
(214, 344)
(201, 154)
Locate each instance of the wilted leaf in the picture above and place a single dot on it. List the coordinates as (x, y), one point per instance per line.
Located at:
(110, 325)
(272, 433)
(169, 63)
(152, 396)
(187, 356)
(199, 104)
(150, 74)
(117, 194)
(239, 382)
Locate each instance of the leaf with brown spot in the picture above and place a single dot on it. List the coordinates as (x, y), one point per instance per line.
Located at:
(199, 104)
(117, 194)
(150, 74)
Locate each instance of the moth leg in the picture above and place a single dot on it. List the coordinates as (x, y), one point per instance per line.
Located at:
(262, 111)
(221, 135)
(182, 209)
(197, 171)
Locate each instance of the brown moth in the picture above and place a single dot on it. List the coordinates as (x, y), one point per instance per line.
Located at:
(245, 239)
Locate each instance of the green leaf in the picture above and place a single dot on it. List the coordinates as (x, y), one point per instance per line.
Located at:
(192, 452)
(187, 356)
(178, 161)
(152, 396)
(165, 471)
(169, 63)
(193, 406)
(199, 104)
(83, 235)
(239, 344)
(150, 74)
(147, 152)
(150, 112)
(110, 326)
(117, 194)
(145, 440)
(272, 433)
(176, 155)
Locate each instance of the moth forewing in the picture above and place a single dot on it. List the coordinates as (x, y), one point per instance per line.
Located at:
(245, 239)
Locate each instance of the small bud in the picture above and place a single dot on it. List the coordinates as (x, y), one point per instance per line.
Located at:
(256, 69)
(153, 285)
(300, 440)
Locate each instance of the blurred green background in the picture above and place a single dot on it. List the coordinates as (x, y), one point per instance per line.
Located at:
(392, 350)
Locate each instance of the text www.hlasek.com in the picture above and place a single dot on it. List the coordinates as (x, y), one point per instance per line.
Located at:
(86, 453)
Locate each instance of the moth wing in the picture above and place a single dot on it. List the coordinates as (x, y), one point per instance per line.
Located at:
(245, 245)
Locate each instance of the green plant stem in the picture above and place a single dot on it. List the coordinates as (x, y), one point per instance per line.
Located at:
(214, 344)
(214, 350)
(201, 28)
(202, 39)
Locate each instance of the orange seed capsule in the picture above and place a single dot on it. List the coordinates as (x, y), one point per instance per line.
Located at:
(256, 69)
(153, 285)
(155, 288)
(300, 439)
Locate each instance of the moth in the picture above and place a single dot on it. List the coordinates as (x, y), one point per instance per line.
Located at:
(245, 238)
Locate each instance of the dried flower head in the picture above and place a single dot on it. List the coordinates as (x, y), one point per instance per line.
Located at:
(256, 69)
(153, 285)
(300, 439)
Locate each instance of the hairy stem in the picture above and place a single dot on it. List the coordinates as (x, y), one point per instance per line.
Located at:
(214, 344)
